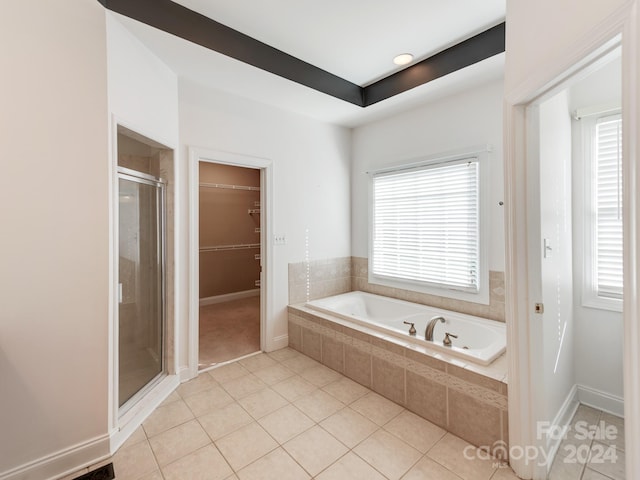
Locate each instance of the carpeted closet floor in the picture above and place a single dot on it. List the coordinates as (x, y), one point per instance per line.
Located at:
(229, 330)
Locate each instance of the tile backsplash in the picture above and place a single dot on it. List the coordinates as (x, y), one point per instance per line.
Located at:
(326, 277)
(319, 278)
(494, 311)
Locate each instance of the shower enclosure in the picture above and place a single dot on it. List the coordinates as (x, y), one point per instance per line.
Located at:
(141, 278)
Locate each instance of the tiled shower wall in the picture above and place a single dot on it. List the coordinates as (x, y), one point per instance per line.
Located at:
(323, 278)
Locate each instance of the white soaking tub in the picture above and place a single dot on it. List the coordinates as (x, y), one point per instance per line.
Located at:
(479, 340)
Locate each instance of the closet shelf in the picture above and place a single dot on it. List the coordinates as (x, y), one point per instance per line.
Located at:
(253, 211)
(230, 187)
(221, 248)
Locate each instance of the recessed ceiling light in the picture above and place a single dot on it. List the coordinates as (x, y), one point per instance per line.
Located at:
(403, 59)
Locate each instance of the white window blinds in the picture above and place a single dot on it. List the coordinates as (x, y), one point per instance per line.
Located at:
(426, 224)
(608, 206)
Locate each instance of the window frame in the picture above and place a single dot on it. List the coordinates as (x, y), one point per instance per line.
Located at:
(590, 296)
(481, 296)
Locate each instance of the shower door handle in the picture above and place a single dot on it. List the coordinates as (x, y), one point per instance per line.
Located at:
(119, 293)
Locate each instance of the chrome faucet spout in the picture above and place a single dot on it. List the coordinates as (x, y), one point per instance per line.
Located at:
(428, 333)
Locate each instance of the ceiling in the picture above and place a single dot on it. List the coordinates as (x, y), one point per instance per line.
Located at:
(355, 40)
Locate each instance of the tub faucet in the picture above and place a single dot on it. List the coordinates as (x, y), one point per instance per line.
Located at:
(428, 333)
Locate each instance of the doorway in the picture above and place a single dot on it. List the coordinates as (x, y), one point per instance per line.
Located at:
(558, 350)
(230, 226)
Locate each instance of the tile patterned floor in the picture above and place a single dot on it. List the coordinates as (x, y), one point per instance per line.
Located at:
(284, 416)
(598, 458)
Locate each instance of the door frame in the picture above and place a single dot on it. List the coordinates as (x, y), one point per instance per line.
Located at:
(521, 241)
(197, 155)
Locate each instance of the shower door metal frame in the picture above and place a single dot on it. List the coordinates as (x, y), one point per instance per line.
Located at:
(146, 179)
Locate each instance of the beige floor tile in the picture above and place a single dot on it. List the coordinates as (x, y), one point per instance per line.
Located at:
(428, 469)
(349, 426)
(228, 372)
(208, 400)
(171, 398)
(286, 423)
(612, 432)
(416, 431)
(274, 374)
(350, 467)
(199, 384)
(153, 476)
(315, 450)
(164, 418)
(232, 477)
(225, 420)
(283, 354)
(504, 473)
(137, 436)
(388, 454)
(377, 408)
(346, 390)
(204, 464)
(178, 442)
(257, 362)
(586, 414)
(276, 465)
(320, 375)
(135, 461)
(561, 469)
(300, 363)
(607, 460)
(294, 388)
(450, 453)
(262, 403)
(245, 445)
(592, 475)
(318, 405)
(243, 386)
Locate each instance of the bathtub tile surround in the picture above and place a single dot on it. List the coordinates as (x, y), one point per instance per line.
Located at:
(494, 311)
(319, 278)
(332, 276)
(467, 400)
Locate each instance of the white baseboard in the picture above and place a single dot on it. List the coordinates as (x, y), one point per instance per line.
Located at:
(601, 400)
(561, 420)
(227, 297)
(63, 462)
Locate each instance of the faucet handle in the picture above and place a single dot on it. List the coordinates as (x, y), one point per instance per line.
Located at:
(412, 330)
(447, 341)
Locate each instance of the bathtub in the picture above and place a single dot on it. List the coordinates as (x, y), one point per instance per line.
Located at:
(479, 340)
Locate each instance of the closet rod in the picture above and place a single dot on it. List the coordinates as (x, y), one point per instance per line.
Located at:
(230, 187)
(220, 248)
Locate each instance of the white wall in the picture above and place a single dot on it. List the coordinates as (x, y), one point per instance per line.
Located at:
(556, 268)
(469, 119)
(310, 174)
(143, 91)
(564, 22)
(54, 236)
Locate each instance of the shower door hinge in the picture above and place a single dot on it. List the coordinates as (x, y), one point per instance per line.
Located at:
(539, 307)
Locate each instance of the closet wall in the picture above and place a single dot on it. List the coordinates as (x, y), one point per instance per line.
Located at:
(229, 229)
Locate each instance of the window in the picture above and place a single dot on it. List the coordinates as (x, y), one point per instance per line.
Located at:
(603, 219)
(426, 228)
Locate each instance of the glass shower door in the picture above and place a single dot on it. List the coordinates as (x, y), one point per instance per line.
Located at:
(141, 283)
